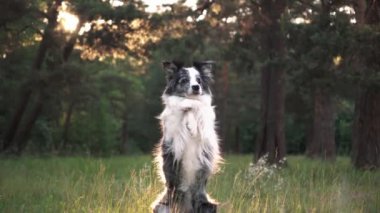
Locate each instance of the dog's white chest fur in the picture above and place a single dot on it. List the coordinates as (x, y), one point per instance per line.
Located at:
(189, 125)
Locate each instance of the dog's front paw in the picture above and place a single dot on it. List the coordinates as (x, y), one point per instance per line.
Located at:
(192, 130)
(189, 104)
(191, 124)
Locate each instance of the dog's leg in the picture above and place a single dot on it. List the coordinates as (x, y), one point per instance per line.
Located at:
(207, 208)
(181, 202)
(171, 168)
(200, 201)
(176, 199)
(202, 204)
(161, 205)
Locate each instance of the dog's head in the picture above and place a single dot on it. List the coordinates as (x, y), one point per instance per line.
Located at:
(188, 81)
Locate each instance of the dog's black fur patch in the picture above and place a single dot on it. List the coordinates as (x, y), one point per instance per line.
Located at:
(192, 199)
(178, 77)
(171, 167)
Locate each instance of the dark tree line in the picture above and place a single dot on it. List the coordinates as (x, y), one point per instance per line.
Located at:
(331, 41)
(292, 76)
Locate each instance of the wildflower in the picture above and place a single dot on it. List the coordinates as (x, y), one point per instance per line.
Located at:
(261, 174)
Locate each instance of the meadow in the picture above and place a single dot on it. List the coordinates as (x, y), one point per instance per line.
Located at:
(130, 184)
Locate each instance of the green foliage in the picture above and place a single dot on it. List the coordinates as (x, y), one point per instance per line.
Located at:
(44, 138)
(113, 78)
(344, 122)
(296, 131)
(17, 24)
(95, 131)
(129, 184)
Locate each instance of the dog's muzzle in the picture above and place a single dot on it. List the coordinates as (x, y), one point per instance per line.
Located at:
(196, 89)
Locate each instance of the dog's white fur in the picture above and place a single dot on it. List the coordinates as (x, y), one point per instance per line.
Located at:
(188, 152)
(190, 123)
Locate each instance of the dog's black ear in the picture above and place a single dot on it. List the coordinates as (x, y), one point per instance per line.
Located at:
(205, 67)
(171, 67)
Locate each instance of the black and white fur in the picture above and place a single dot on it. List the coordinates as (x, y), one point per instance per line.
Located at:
(188, 152)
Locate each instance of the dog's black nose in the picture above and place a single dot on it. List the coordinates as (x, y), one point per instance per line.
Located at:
(195, 87)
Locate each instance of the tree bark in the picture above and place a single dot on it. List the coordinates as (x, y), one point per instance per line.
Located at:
(28, 89)
(322, 141)
(23, 132)
(366, 132)
(366, 127)
(66, 125)
(16, 119)
(271, 139)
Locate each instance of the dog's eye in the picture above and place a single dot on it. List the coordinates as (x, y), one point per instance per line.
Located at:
(184, 81)
(198, 80)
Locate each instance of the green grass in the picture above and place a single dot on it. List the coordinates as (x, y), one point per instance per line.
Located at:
(129, 184)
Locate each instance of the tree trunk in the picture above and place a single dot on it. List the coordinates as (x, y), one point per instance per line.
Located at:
(366, 127)
(66, 126)
(16, 119)
(69, 46)
(24, 130)
(18, 133)
(26, 94)
(271, 139)
(366, 132)
(322, 141)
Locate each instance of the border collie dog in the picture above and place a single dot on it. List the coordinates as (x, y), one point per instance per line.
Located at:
(188, 152)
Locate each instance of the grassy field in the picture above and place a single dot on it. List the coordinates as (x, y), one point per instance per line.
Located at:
(129, 184)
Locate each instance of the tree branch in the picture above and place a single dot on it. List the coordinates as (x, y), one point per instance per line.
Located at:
(205, 6)
(256, 4)
(311, 5)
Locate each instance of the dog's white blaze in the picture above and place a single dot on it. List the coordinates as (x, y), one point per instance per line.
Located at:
(190, 124)
(193, 73)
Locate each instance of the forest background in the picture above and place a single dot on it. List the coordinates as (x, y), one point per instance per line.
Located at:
(84, 77)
